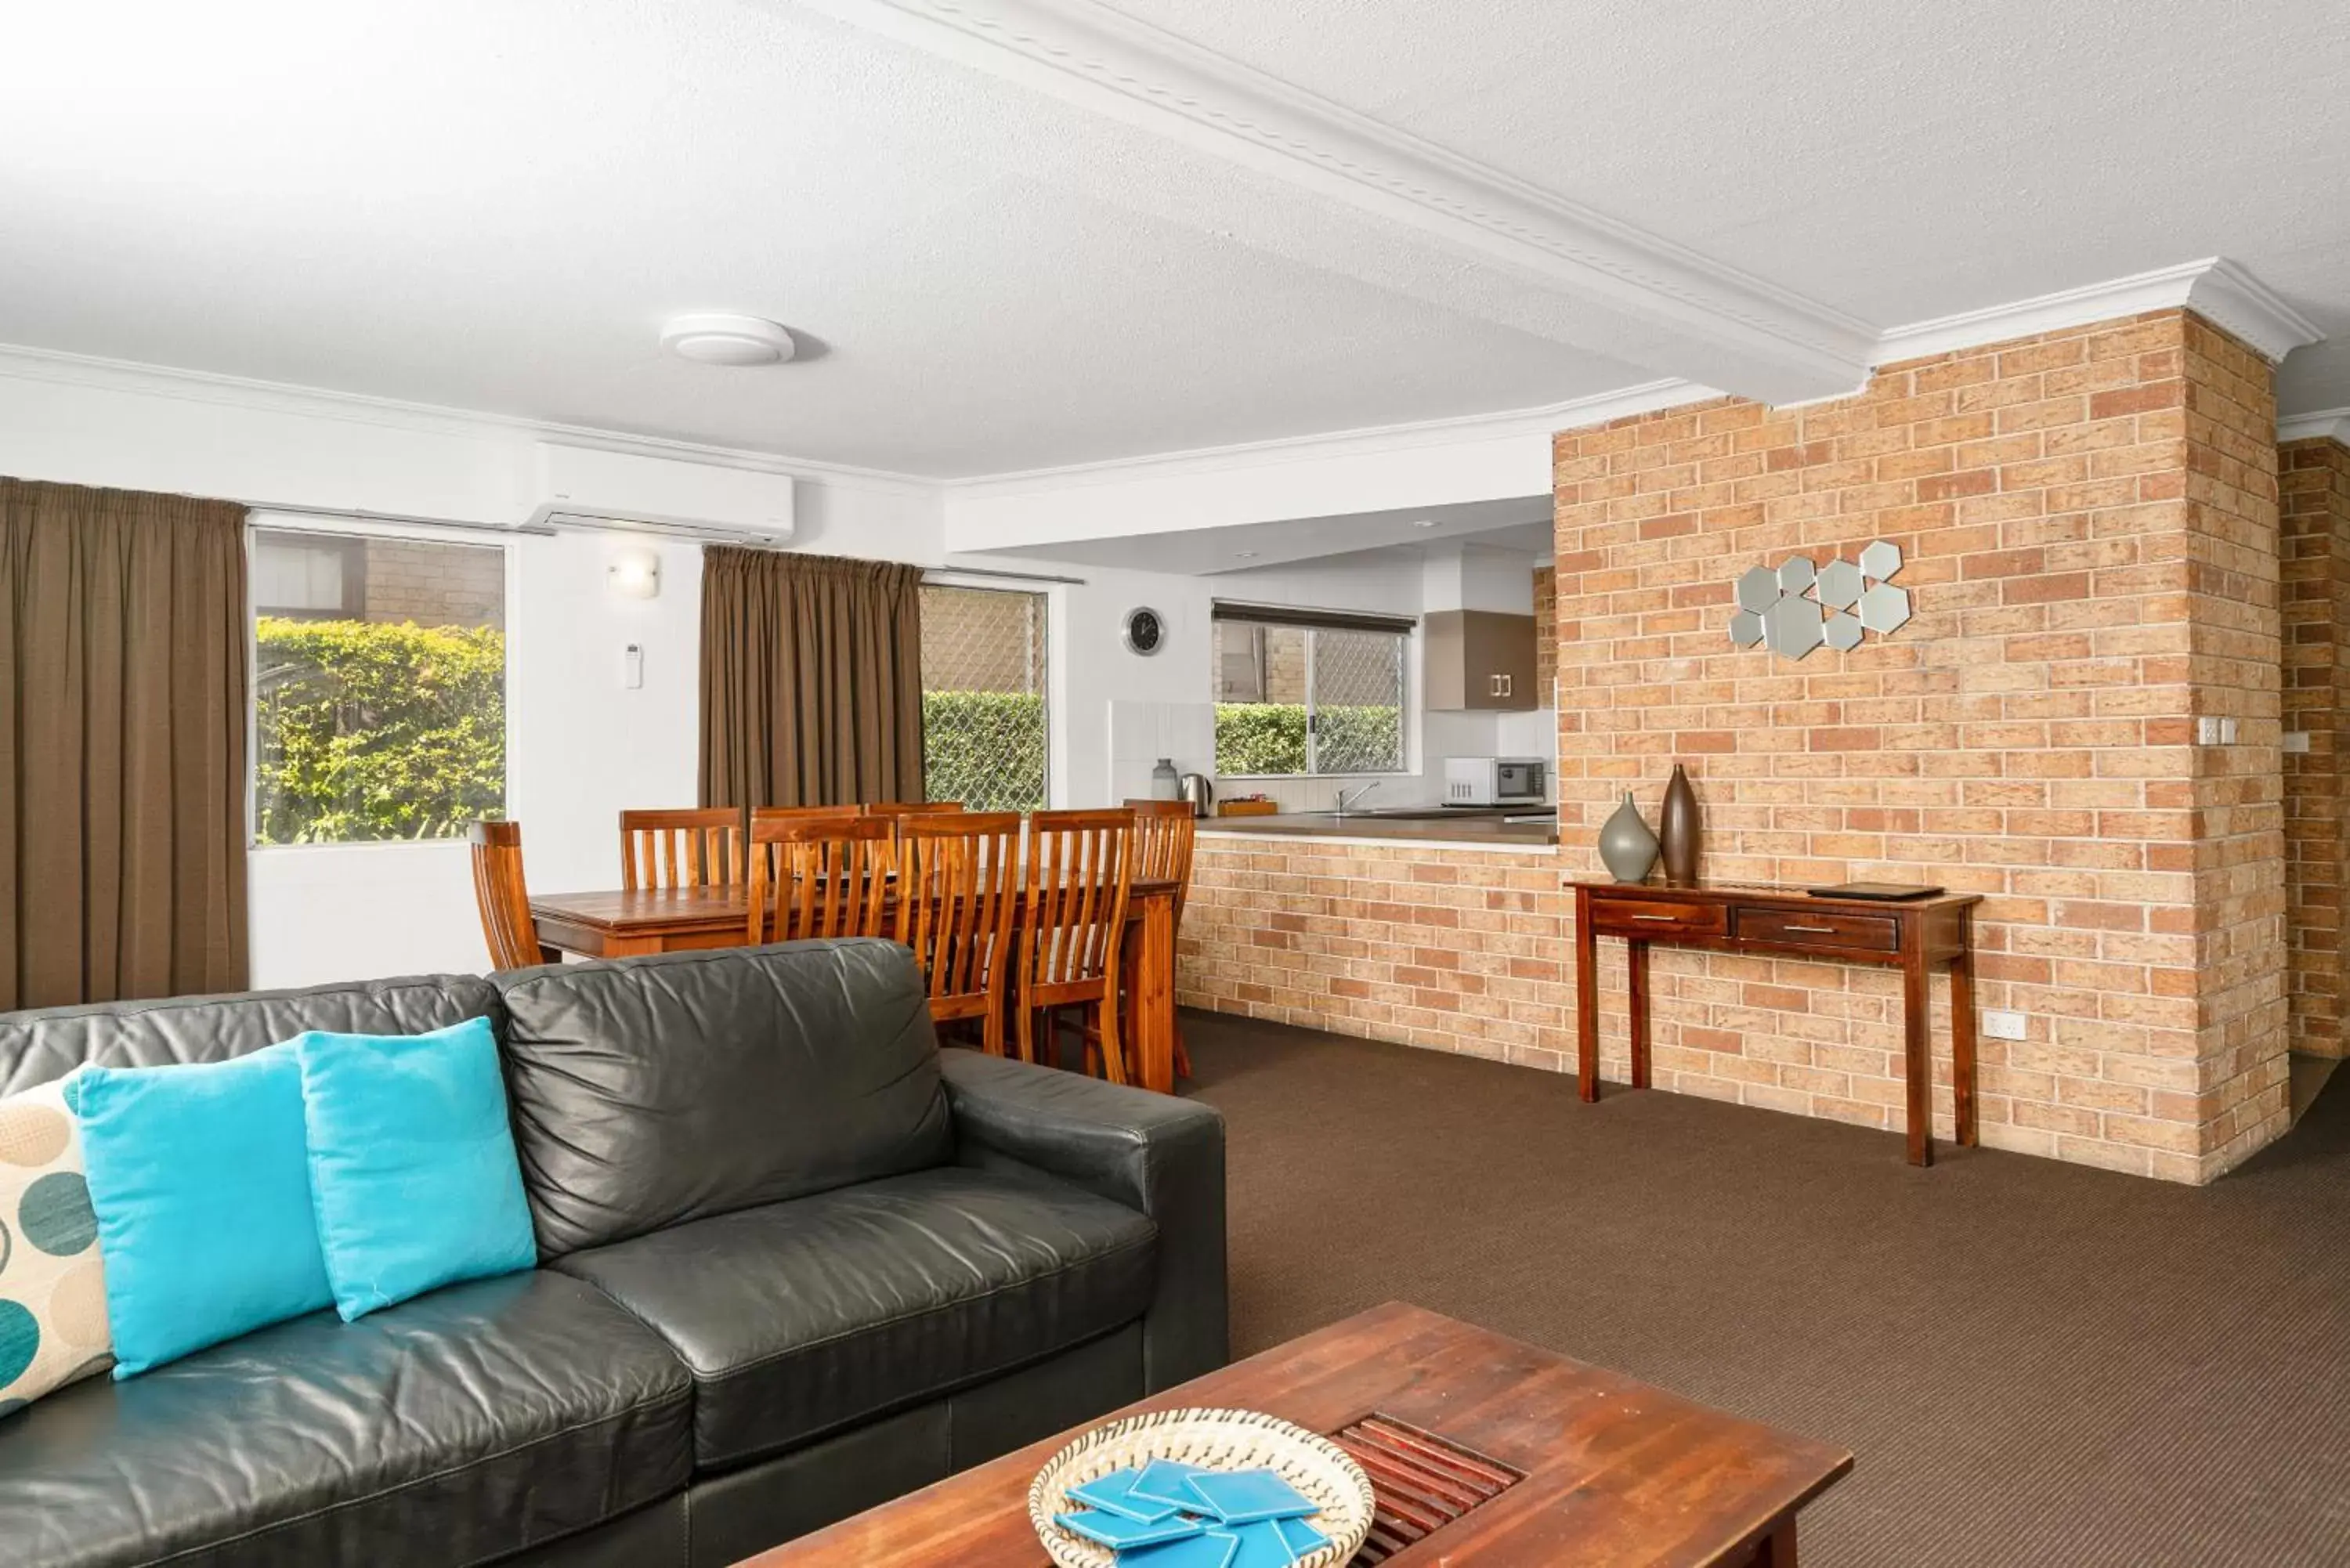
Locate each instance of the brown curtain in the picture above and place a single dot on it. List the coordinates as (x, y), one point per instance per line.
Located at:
(811, 679)
(122, 725)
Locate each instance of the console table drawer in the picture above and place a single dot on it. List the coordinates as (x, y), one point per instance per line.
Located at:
(1663, 917)
(1875, 933)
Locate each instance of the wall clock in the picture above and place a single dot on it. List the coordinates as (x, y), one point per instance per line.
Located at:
(1146, 633)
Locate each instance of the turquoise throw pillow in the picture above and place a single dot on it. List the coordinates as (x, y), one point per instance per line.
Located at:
(412, 1166)
(199, 1178)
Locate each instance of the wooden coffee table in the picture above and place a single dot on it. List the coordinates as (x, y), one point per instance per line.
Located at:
(1481, 1450)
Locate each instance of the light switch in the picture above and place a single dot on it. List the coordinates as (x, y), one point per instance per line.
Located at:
(632, 667)
(1999, 1025)
(2296, 739)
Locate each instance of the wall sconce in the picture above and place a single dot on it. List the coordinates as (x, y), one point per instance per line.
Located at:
(635, 574)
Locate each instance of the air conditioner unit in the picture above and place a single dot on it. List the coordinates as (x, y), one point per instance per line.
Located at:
(583, 487)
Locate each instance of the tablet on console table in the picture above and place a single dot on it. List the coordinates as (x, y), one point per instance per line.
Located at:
(1882, 892)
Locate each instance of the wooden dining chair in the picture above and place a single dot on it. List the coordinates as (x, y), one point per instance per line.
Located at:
(504, 897)
(1164, 834)
(687, 848)
(760, 814)
(1073, 926)
(822, 874)
(910, 807)
(956, 881)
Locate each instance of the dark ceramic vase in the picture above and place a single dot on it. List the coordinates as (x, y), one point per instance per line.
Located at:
(1678, 831)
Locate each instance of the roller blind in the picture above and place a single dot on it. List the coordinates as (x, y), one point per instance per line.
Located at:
(1316, 619)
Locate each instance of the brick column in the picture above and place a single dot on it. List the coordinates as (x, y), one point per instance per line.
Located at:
(2313, 506)
(2090, 522)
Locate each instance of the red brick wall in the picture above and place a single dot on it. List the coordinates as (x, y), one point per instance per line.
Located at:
(2090, 522)
(2313, 479)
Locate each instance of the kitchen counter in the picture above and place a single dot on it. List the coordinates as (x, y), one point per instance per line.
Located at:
(1472, 826)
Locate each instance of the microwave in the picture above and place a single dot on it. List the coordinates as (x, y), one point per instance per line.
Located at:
(1496, 780)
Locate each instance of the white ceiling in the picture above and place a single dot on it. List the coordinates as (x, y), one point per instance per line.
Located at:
(493, 205)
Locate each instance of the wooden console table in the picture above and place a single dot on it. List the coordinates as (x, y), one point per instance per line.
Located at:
(1787, 922)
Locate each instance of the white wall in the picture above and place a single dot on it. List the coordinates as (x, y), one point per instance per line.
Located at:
(582, 746)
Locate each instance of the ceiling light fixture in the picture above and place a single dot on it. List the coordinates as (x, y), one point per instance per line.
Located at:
(1244, 555)
(1423, 523)
(711, 337)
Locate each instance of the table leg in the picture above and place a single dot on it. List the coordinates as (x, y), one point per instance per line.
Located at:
(1962, 1036)
(1635, 957)
(1587, 999)
(1918, 1062)
(1778, 1548)
(1151, 1021)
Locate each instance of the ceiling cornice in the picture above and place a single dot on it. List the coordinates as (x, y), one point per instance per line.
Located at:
(1710, 321)
(56, 367)
(2325, 424)
(2215, 288)
(1537, 423)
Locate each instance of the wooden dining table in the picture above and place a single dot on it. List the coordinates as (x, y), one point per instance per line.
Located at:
(624, 922)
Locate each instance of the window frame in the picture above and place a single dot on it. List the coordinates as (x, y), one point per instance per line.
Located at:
(1052, 604)
(281, 521)
(1406, 631)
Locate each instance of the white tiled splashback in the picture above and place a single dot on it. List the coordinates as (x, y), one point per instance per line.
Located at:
(1142, 733)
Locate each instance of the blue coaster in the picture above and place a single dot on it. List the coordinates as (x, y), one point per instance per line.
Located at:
(1165, 1480)
(1211, 1550)
(1244, 1497)
(1114, 1493)
(1117, 1531)
(1256, 1546)
(1299, 1536)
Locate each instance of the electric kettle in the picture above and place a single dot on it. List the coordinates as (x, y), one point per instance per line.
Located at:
(1199, 790)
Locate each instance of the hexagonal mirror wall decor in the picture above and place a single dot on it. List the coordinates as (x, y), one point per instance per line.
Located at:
(1840, 585)
(1799, 604)
(1758, 590)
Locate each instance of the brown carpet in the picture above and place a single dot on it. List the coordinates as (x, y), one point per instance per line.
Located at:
(2035, 1363)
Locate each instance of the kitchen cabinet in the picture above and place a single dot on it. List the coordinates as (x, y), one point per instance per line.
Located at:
(1479, 660)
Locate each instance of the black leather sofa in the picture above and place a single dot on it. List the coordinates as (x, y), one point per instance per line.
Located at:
(793, 1261)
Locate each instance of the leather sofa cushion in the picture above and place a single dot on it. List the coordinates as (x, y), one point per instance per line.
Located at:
(799, 1318)
(36, 1047)
(652, 1091)
(460, 1426)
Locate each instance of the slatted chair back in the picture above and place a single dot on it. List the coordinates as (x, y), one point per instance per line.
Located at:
(687, 848)
(505, 897)
(760, 814)
(824, 875)
(957, 882)
(1164, 834)
(1079, 871)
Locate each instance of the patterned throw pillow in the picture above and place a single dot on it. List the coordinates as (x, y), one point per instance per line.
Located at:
(52, 1286)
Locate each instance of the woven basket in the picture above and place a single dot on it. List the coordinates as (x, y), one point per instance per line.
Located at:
(1213, 1439)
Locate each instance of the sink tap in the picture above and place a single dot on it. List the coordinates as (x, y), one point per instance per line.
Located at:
(1347, 802)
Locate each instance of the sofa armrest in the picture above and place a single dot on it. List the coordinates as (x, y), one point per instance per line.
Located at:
(1152, 1152)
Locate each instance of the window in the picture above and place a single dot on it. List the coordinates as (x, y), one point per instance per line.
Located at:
(984, 703)
(1309, 692)
(379, 687)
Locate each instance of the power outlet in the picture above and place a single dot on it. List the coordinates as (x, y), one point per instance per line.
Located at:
(2215, 731)
(1998, 1025)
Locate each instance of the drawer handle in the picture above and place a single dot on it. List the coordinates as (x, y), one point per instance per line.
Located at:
(1656, 917)
(1819, 931)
